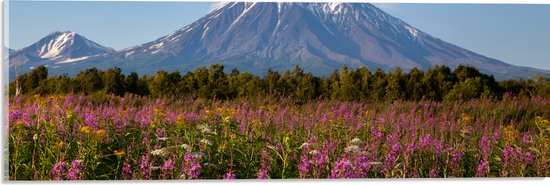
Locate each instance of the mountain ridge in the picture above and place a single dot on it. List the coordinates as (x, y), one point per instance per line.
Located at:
(320, 37)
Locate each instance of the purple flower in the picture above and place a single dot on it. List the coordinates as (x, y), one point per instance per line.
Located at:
(14, 115)
(58, 170)
(168, 165)
(229, 175)
(364, 166)
(411, 148)
(374, 131)
(496, 137)
(343, 168)
(456, 158)
(190, 168)
(279, 147)
(485, 147)
(515, 159)
(145, 166)
(75, 172)
(89, 120)
(167, 168)
(126, 170)
(434, 173)
(525, 139)
(438, 146)
(305, 165)
(146, 139)
(482, 169)
(389, 163)
(426, 141)
(160, 132)
(68, 100)
(263, 174)
(265, 162)
(396, 148)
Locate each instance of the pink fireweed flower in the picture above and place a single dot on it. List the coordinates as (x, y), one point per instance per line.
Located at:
(389, 163)
(167, 168)
(75, 172)
(279, 147)
(14, 115)
(515, 159)
(58, 170)
(343, 168)
(126, 170)
(146, 139)
(263, 174)
(190, 168)
(411, 147)
(145, 166)
(374, 131)
(525, 139)
(482, 169)
(305, 165)
(265, 163)
(456, 158)
(496, 137)
(229, 175)
(434, 173)
(68, 100)
(484, 145)
(160, 132)
(426, 141)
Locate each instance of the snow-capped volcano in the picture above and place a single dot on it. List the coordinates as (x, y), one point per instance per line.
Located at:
(320, 37)
(59, 47)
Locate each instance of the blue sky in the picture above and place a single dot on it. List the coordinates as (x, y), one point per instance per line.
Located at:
(515, 34)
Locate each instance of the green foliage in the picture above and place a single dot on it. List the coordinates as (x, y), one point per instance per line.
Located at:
(439, 83)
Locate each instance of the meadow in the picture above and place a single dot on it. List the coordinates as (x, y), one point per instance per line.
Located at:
(82, 137)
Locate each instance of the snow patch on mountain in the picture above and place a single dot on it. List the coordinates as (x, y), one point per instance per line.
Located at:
(72, 60)
(56, 46)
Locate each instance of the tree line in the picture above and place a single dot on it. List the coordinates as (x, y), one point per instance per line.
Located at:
(439, 83)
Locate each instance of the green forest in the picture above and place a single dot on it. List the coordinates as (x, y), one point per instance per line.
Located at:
(439, 83)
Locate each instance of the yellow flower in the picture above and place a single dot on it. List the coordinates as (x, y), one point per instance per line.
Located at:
(100, 133)
(510, 135)
(180, 121)
(86, 129)
(208, 112)
(119, 154)
(256, 122)
(19, 123)
(221, 147)
(466, 117)
(52, 124)
(543, 122)
(70, 113)
(59, 145)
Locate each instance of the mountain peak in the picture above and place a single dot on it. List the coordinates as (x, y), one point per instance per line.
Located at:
(62, 33)
(55, 43)
(59, 47)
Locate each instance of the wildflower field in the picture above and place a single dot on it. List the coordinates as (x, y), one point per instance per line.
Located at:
(78, 137)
